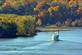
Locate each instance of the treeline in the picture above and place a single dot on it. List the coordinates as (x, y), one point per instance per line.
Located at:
(48, 12)
(12, 25)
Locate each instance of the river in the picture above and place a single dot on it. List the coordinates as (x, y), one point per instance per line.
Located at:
(70, 44)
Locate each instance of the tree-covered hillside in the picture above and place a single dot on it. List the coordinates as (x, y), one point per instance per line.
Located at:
(48, 12)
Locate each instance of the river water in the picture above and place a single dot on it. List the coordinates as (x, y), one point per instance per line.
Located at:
(70, 44)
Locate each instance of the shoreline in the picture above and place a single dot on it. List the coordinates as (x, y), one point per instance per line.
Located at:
(52, 29)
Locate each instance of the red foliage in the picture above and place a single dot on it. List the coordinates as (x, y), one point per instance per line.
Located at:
(41, 14)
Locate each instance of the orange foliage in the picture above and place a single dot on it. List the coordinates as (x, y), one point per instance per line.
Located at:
(40, 5)
(55, 8)
(72, 2)
(55, 1)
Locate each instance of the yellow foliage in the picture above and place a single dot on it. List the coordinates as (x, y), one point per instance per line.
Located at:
(55, 0)
(73, 23)
(49, 10)
(17, 3)
(14, 3)
(39, 22)
(19, 21)
(55, 8)
(71, 3)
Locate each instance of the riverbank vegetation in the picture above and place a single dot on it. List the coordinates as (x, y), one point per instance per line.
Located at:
(26, 15)
(18, 25)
